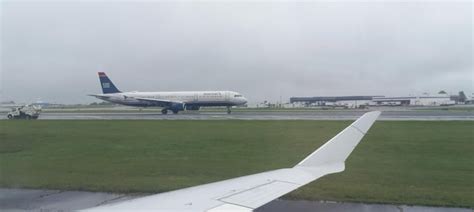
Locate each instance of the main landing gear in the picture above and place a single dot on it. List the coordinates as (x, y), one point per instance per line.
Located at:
(165, 111)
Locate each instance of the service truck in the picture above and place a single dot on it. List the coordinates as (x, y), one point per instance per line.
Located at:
(25, 112)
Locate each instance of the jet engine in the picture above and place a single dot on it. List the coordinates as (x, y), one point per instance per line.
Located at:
(175, 107)
(192, 107)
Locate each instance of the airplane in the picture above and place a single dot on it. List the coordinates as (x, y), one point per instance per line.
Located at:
(245, 194)
(174, 101)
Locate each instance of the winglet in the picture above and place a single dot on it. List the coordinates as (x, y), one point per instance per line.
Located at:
(336, 150)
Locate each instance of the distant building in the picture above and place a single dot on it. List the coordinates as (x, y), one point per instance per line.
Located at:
(7, 103)
(359, 101)
(438, 100)
(344, 101)
(41, 103)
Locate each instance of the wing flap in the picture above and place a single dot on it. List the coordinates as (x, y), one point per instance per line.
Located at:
(261, 195)
(230, 208)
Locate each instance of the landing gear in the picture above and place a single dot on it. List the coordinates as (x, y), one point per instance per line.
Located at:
(228, 110)
(165, 111)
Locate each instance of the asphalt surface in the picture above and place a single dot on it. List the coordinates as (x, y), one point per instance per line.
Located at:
(19, 200)
(264, 115)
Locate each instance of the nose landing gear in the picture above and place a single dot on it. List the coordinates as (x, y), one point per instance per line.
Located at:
(228, 110)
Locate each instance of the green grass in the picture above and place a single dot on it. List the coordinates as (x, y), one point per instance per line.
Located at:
(402, 162)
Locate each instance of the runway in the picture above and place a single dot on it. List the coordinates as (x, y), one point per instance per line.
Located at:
(22, 200)
(421, 115)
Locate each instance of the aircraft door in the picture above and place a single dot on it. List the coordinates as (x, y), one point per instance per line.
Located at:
(196, 97)
(227, 96)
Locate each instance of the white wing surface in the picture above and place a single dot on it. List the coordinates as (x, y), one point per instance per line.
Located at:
(250, 192)
(157, 102)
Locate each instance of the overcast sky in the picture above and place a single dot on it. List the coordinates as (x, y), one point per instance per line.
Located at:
(53, 51)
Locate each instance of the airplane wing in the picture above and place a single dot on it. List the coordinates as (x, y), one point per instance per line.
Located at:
(157, 102)
(245, 194)
(148, 101)
(100, 96)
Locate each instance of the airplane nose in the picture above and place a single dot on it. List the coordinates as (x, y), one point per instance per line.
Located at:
(244, 101)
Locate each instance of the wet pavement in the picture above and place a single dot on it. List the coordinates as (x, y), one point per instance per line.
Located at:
(20, 200)
(53, 200)
(325, 206)
(264, 115)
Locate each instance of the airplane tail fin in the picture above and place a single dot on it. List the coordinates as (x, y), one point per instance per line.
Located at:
(107, 85)
(338, 149)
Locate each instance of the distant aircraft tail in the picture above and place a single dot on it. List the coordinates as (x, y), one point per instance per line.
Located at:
(107, 85)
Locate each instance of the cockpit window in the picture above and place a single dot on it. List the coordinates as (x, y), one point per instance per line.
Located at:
(237, 95)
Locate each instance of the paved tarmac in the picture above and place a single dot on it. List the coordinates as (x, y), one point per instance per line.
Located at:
(21, 200)
(264, 115)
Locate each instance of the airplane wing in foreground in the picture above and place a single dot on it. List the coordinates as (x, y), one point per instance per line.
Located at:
(244, 194)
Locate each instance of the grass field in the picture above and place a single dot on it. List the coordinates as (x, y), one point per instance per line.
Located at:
(408, 162)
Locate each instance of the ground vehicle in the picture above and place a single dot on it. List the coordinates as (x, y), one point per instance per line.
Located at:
(25, 112)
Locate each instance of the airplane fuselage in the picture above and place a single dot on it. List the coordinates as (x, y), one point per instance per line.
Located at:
(174, 101)
(191, 99)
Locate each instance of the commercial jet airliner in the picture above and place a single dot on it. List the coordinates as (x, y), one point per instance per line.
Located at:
(247, 193)
(174, 101)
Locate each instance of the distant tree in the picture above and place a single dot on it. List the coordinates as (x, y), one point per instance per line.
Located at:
(462, 96)
(442, 92)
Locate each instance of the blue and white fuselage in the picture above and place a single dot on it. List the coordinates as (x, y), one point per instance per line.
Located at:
(174, 101)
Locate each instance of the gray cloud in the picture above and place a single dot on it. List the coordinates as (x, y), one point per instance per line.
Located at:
(264, 50)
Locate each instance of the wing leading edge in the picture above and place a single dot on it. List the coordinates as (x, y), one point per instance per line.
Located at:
(244, 194)
(157, 102)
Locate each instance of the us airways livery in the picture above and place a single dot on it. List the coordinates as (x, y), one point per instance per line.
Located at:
(173, 101)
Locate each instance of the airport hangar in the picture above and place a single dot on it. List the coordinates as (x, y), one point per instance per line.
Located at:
(348, 101)
(358, 101)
